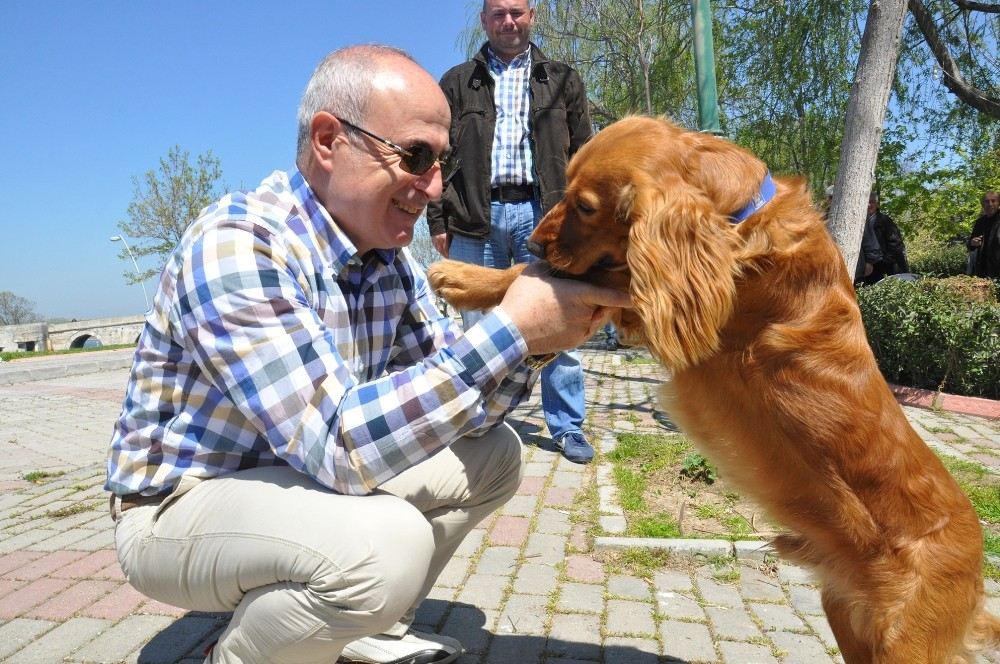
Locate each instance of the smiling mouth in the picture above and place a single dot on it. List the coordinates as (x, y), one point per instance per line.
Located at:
(406, 208)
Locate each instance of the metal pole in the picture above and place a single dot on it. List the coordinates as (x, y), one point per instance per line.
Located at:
(145, 296)
(704, 66)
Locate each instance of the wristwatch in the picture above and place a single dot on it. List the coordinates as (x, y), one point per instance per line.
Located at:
(536, 362)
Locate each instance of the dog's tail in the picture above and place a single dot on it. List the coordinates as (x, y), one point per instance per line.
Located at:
(984, 632)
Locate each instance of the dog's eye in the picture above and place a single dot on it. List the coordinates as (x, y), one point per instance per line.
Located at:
(583, 208)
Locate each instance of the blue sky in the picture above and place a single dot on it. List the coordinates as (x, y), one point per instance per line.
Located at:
(93, 94)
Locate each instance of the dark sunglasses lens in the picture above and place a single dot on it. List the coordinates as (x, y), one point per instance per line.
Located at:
(419, 161)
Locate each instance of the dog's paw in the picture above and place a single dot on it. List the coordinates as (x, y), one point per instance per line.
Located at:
(467, 286)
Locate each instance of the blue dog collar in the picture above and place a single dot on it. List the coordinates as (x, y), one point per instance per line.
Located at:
(766, 193)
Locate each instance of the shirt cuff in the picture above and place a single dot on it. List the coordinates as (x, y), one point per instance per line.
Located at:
(491, 349)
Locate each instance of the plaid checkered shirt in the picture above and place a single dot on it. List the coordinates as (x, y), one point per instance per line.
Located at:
(512, 160)
(272, 342)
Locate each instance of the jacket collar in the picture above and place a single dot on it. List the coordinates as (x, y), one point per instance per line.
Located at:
(538, 64)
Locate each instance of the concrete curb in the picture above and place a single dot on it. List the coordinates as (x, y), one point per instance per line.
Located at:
(12, 373)
(741, 550)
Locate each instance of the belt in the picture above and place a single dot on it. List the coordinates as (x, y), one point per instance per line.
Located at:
(513, 193)
(131, 500)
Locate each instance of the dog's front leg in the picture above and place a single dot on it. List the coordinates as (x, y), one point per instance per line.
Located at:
(468, 286)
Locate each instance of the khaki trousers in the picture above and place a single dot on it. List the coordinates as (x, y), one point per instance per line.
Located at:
(305, 570)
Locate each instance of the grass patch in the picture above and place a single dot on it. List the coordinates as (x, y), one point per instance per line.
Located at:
(40, 476)
(11, 356)
(64, 512)
(983, 490)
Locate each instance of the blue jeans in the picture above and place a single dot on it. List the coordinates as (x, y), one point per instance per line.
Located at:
(511, 225)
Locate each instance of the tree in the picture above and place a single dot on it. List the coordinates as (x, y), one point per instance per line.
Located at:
(863, 127)
(16, 310)
(164, 203)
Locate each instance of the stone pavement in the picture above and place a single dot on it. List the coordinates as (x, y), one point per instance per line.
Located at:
(532, 584)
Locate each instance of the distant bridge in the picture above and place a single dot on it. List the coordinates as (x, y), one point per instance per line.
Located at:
(74, 334)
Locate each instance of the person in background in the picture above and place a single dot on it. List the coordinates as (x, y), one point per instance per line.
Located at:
(305, 440)
(882, 244)
(985, 238)
(517, 118)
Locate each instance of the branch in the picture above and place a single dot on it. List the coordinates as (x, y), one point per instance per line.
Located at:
(953, 79)
(977, 6)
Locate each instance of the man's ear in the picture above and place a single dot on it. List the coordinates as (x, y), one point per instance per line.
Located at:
(323, 132)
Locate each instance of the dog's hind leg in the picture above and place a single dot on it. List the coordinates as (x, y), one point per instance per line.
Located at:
(839, 614)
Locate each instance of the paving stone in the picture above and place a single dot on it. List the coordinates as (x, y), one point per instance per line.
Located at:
(498, 561)
(179, 638)
(467, 624)
(454, 573)
(77, 596)
(546, 549)
(719, 594)
(755, 585)
(506, 649)
(17, 633)
(793, 574)
(676, 605)
(672, 580)
(822, 629)
(86, 565)
(575, 635)
(57, 644)
(562, 497)
(45, 565)
(535, 578)
(524, 614)
(615, 525)
(470, 545)
(687, 641)
(553, 522)
(11, 563)
(625, 617)
(532, 485)
(629, 650)
(801, 648)
(745, 653)
(805, 599)
(523, 506)
(732, 623)
(483, 590)
(582, 597)
(777, 617)
(584, 568)
(122, 639)
(628, 587)
(509, 531)
(29, 596)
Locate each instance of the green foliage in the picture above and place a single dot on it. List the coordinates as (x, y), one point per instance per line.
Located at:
(936, 333)
(697, 468)
(164, 204)
(932, 258)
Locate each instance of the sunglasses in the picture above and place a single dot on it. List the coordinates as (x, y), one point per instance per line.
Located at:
(415, 160)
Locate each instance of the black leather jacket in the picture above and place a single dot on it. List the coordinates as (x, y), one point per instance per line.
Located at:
(560, 124)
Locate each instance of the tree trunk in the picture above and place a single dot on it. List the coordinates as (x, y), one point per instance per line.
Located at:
(863, 126)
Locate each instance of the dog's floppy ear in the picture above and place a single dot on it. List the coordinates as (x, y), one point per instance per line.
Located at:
(681, 256)
(727, 173)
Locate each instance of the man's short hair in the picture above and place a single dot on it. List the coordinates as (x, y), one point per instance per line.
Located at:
(342, 85)
(987, 195)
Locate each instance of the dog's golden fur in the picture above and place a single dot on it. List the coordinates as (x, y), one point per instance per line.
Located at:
(772, 376)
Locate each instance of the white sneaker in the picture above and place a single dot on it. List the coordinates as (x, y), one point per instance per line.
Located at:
(413, 648)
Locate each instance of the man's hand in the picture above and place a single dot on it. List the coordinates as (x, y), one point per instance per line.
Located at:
(440, 242)
(555, 314)
(976, 242)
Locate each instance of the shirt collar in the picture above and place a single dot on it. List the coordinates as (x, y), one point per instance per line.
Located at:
(342, 249)
(522, 61)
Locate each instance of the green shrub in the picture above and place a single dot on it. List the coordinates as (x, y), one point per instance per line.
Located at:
(936, 333)
(940, 260)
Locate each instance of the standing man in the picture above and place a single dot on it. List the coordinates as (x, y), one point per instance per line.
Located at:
(305, 440)
(985, 238)
(516, 119)
(882, 244)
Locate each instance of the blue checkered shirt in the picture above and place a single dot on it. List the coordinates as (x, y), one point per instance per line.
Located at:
(512, 160)
(272, 342)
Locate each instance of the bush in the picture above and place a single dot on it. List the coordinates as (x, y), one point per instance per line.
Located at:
(939, 334)
(931, 257)
(945, 260)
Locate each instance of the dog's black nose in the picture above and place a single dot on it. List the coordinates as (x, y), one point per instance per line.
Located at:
(536, 249)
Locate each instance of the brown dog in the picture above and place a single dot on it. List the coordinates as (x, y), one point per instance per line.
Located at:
(747, 302)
